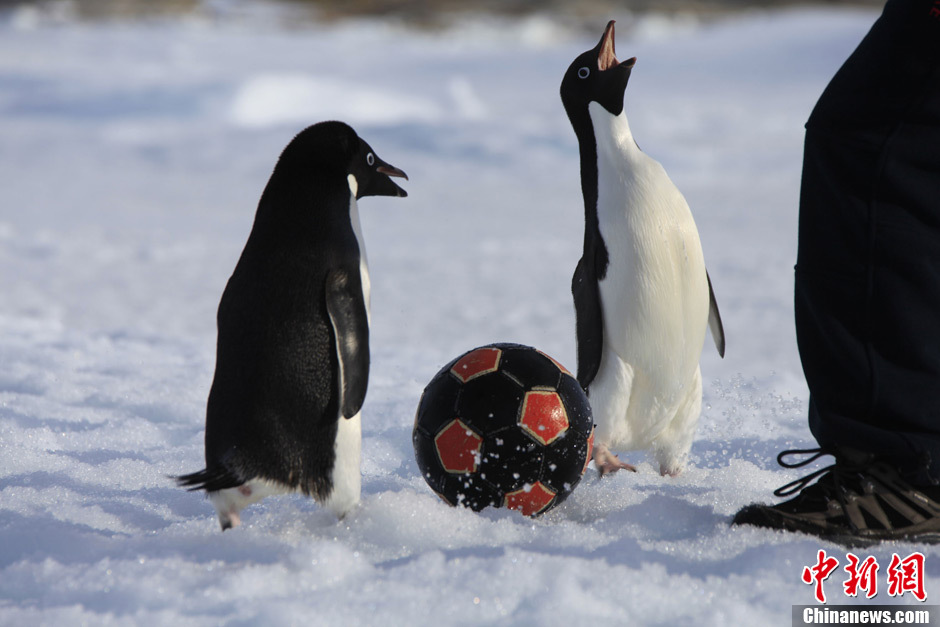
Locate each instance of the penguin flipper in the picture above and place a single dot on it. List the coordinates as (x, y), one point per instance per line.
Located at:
(347, 311)
(714, 319)
(589, 321)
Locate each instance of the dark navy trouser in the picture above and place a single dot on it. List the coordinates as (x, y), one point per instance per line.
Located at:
(867, 298)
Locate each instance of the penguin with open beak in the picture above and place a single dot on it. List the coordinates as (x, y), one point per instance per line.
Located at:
(292, 360)
(643, 298)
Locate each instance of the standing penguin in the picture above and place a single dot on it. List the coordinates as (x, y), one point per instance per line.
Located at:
(292, 359)
(642, 295)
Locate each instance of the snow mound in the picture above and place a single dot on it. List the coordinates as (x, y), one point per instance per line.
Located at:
(295, 99)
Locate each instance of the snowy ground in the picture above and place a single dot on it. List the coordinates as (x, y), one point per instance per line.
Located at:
(131, 160)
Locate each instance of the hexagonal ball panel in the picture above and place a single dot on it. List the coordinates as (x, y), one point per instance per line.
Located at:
(427, 458)
(580, 417)
(468, 490)
(476, 363)
(532, 369)
(531, 501)
(489, 403)
(438, 404)
(543, 415)
(458, 448)
(557, 363)
(563, 462)
(511, 459)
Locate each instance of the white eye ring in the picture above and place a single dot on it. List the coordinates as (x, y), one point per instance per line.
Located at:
(370, 159)
(584, 72)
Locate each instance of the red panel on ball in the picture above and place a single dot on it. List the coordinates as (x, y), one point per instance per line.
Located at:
(544, 415)
(530, 502)
(458, 448)
(476, 363)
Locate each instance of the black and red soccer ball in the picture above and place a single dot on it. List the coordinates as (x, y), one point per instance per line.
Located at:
(503, 425)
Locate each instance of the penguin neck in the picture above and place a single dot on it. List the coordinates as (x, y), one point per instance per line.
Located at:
(612, 134)
(357, 230)
(624, 173)
(601, 135)
(319, 208)
(354, 216)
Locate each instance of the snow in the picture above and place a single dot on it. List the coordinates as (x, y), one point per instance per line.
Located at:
(131, 161)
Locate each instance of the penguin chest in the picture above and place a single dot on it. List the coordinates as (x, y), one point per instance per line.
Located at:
(357, 230)
(654, 296)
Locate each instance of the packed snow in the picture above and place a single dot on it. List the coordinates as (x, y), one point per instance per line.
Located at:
(132, 157)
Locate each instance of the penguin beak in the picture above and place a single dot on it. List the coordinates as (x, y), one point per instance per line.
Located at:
(382, 184)
(606, 57)
(390, 170)
(614, 75)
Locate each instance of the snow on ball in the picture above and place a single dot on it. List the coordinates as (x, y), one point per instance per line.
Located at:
(503, 425)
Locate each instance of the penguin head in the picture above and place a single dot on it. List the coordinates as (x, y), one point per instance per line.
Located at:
(334, 150)
(597, 76)
(373, 176)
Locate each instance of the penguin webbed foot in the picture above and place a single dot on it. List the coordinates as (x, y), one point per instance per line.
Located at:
(607, 463)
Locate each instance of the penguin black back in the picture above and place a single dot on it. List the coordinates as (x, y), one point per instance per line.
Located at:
(292, 353)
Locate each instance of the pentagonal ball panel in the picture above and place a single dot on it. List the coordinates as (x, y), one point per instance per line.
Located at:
(531, 500)
(544, 416)
(476, 363)
(458, 448)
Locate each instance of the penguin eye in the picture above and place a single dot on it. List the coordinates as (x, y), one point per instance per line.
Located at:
(370, 159)
(584, 72)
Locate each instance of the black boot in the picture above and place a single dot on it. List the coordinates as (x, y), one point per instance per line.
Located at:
(857, 501)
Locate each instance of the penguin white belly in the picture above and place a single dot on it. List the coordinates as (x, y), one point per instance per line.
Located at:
(654, 299)
(346, 474)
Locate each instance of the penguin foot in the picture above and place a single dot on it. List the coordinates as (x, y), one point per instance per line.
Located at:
(229, 502)
(229, 520)
(607, 463)
(671, 465)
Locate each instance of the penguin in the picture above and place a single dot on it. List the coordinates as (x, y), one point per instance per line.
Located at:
(292, 357)
(642, 296)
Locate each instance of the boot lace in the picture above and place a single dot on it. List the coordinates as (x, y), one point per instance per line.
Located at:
(796, 486)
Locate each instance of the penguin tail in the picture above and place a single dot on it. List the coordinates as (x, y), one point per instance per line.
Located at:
(210, 480)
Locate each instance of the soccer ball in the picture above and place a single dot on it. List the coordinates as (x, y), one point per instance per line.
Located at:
(503, 425)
